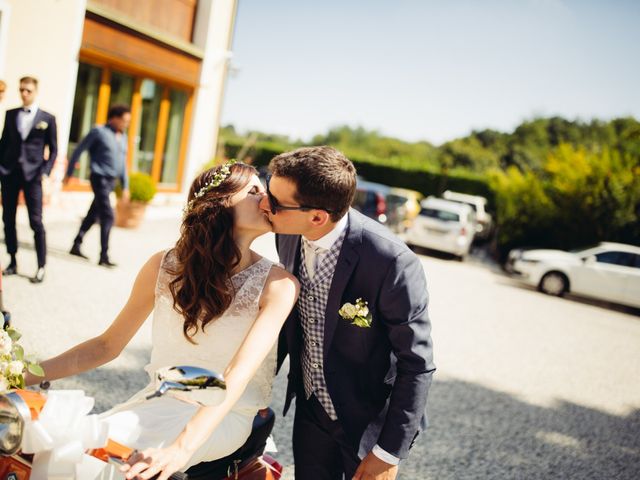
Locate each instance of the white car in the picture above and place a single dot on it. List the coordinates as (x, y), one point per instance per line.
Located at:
(609, 271)
(443, 225)
(484, 224)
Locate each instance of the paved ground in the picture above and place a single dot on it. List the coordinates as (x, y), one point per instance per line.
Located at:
(527, 387)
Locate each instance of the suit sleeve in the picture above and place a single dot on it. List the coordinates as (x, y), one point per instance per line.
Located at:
(52, 142)
(403, 304)
(4, 139)
(85, 143)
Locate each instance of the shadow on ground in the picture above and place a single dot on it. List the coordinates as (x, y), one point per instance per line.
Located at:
(479, 433)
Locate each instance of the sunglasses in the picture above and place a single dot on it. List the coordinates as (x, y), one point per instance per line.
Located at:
(274, 204)
(22, 90)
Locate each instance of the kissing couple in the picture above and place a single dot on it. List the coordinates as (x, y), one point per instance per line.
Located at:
(347, 304)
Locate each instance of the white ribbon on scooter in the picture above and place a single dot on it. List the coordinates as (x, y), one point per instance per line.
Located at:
(62, 433)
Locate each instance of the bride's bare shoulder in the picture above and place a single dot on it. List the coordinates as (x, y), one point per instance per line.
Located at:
(150, 269)
(281, 283)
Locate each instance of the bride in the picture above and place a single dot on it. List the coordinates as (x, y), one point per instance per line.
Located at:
(216, 304)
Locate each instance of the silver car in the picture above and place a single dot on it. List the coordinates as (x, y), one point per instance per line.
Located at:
(444, 226)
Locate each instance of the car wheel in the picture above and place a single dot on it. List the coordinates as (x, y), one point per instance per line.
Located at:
(554, 283)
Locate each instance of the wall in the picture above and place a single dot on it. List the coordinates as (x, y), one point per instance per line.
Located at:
(43, 40)
(213, 33)
(172, 17)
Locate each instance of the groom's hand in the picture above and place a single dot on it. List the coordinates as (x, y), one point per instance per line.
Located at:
(372, 468)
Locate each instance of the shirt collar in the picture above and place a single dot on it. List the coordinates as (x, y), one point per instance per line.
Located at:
(330, 238)
(33, 108)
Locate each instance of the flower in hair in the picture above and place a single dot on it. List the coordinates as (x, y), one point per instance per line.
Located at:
(217, 179)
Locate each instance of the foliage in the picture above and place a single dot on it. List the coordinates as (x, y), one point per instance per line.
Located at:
(399, 172)
(556, 182)
(13, 361)
(581, 197)
(142, 188)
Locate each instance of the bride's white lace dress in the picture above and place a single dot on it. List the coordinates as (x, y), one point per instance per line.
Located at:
(141, 423)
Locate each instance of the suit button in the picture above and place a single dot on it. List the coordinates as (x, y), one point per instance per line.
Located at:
(312, 320)
(313, 344)
(310, 298)
(315, 365)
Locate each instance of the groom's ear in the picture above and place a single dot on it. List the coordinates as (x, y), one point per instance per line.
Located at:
(319, 218)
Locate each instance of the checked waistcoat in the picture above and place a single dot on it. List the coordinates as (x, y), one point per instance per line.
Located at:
(311, 305)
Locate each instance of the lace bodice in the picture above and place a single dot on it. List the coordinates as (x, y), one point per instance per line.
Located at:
(216, 346)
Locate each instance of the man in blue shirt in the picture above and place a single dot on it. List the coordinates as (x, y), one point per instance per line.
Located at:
(107, 146)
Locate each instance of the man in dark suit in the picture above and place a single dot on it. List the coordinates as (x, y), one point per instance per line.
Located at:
(26, 133)
(359, 339)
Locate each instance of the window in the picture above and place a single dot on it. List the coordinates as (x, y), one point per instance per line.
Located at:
(145, 139)
(83, 117)
(121, 89)
(157, 131)
(440, 214)
(616, 258)
(171, 157)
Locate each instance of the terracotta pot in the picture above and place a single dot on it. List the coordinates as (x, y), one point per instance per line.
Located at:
(129, 214)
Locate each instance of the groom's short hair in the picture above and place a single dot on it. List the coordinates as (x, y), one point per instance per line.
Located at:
(323, 176)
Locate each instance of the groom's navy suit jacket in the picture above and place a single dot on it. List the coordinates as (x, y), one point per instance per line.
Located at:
(377, 377)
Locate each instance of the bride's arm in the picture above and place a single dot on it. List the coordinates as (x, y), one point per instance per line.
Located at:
(107, 346)
(277, 300)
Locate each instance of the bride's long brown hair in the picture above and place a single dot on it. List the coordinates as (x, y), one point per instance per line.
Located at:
(206, 253)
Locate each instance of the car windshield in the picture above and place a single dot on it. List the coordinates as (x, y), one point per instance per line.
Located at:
(440, 214)
(584, 249)
(472, 205)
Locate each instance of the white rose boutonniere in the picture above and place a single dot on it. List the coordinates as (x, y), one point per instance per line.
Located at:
(358, 314)
(42, 125)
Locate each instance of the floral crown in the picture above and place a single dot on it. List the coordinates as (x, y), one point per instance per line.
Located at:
(219, 177)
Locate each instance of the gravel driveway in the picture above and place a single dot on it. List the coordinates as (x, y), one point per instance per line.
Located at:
(528, 386)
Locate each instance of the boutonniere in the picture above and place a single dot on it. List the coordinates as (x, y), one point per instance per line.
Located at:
(358, 314)
(42, 125)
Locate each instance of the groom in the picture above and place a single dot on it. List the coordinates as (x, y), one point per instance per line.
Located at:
(360, 377)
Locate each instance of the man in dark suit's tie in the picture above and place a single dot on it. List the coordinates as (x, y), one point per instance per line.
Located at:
(27, 131)
(359, 339)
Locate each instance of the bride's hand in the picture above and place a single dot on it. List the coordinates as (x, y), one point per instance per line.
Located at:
(154, 461)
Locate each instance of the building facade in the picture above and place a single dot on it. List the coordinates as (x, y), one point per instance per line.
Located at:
(167, 59)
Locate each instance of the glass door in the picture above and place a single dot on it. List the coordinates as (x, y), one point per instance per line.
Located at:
(171, 154)
(83, 118)
(147, 126)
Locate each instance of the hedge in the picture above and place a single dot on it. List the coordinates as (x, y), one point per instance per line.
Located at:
(425, 180)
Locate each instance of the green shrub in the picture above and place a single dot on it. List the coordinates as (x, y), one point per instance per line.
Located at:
(142, 188)
(396, 171)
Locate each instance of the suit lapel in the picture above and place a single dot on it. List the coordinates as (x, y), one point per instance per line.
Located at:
(289, 246)
(347, 262)
(37, 118)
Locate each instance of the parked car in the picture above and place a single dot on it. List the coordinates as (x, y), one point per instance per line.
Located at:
(608, 271)
(443, 225)
(484, 221)
(411, 202)
(376, 201)
(370, 199)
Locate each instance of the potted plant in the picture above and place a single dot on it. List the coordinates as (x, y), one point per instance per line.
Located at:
(142, 189)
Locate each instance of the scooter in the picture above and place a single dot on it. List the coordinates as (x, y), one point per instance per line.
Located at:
(249, 462)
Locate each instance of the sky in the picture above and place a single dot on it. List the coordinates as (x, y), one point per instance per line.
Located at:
(430, 69)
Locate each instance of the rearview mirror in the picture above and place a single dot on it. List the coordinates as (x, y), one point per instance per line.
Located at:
(590, 260)
(186, 379)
